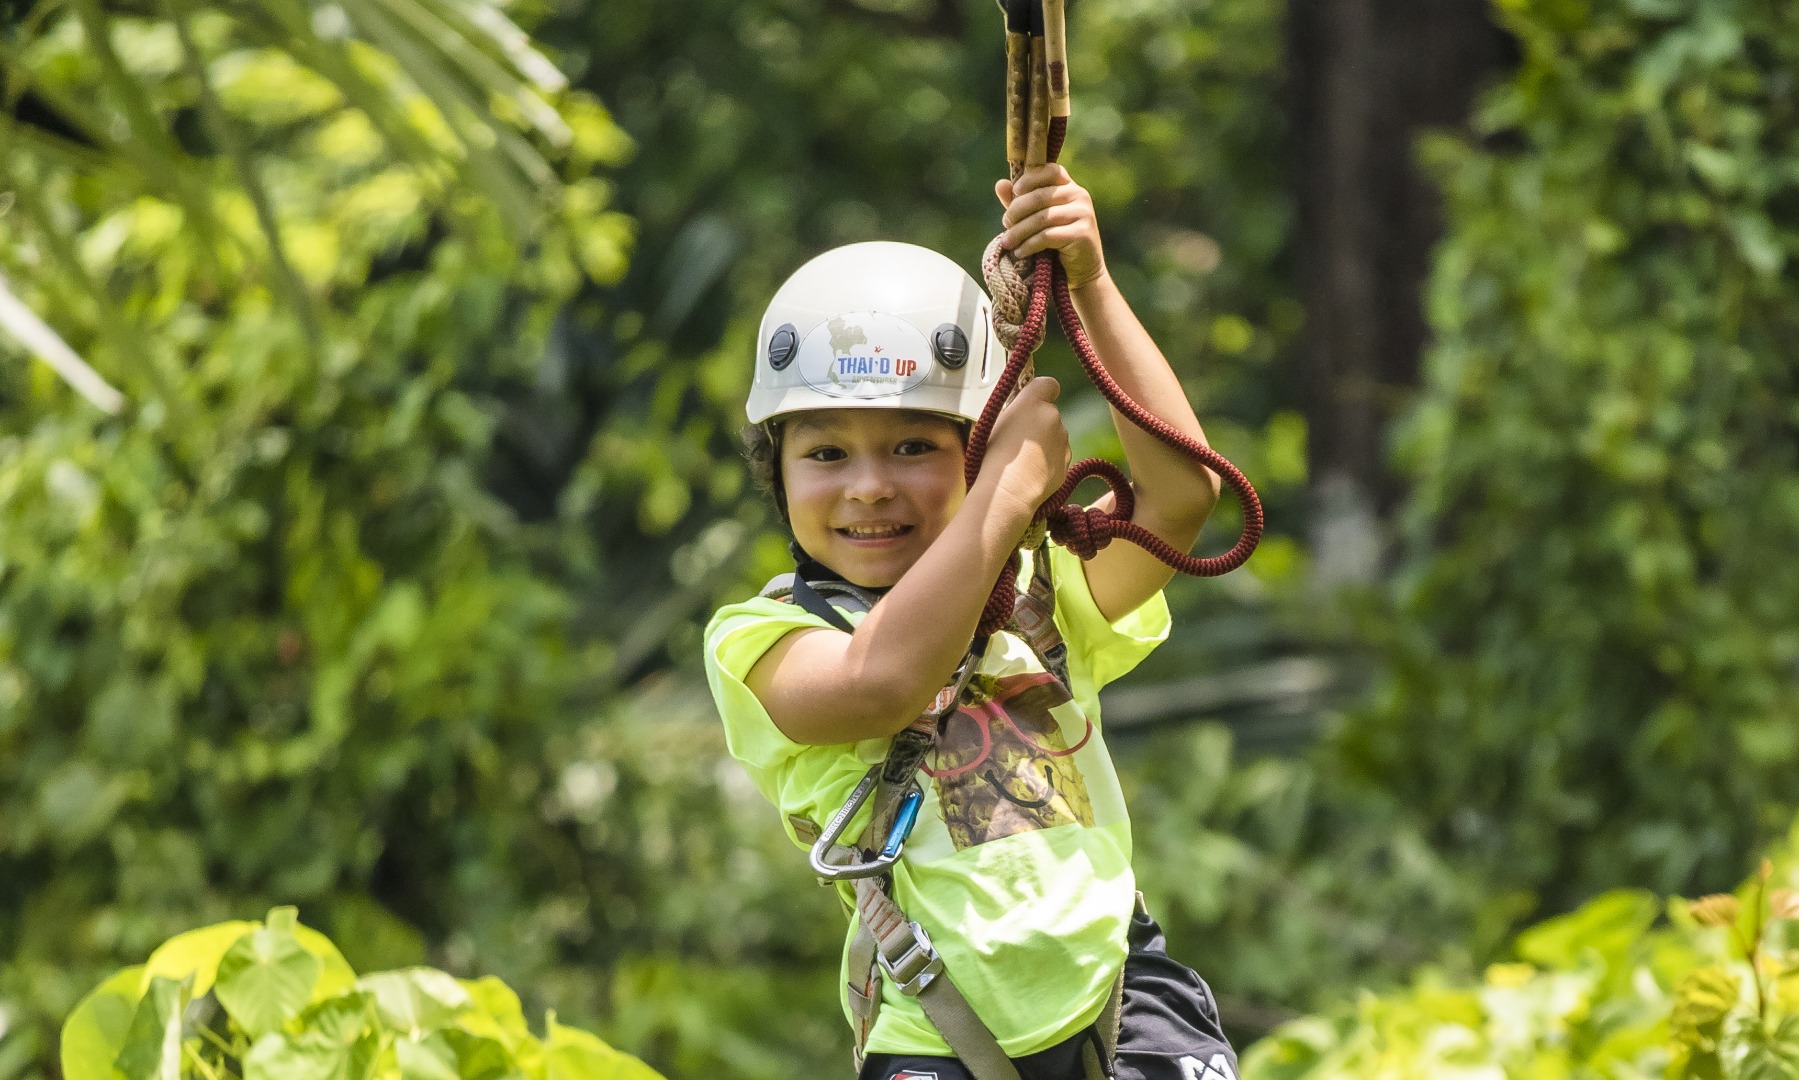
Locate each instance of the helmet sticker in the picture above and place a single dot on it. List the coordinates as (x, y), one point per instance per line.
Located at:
(863, 355)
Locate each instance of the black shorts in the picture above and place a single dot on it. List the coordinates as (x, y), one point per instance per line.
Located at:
(1169, 1031)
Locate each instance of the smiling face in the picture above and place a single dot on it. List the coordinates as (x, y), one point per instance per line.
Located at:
(868, 490)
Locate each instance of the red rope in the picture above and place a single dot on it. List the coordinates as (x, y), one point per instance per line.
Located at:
(1082, 530)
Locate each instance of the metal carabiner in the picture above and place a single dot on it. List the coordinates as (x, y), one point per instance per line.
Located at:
(890, 851)
(907, 814)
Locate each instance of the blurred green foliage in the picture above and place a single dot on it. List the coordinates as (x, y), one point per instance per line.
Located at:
(276, 1001)
(270, 635)
(1592, 656)
(1281, 888)
(268, 620)
(382, 596)
(1609, 990)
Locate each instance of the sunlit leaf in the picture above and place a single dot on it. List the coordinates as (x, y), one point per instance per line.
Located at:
(267, 976)
(95, 1032)
(416, 1000)
(338, 1039)
(152, 1047)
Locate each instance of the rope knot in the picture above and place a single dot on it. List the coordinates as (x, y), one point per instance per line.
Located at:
(1009, 283)
(1081, 529)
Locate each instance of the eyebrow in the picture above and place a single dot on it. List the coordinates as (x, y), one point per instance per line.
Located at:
(832, 426)
(803, 424)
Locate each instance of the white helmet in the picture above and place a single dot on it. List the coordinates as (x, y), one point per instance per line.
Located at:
(877, 325)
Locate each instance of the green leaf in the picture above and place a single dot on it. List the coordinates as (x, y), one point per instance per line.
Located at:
(1701, 1001)
(1605, 927)
(77, 801)
(152, 1049)
(267, 976)
(377, 938)
(429, 1058)
(573, 1054)
(1758, 242)
(1763, 1054)
(195, 953)
(336, 1039)
(336, 976)
(496, 1014)
(416, 1000)
(480, 1058)
(95, 1032)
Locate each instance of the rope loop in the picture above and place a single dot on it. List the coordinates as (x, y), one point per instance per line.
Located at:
(1022, 294)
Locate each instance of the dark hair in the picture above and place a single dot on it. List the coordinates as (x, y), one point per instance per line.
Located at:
(762, 452)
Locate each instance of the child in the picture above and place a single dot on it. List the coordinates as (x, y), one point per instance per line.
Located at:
(1012, 900)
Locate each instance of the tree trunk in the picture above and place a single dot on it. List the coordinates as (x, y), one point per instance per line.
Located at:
(1367, 76)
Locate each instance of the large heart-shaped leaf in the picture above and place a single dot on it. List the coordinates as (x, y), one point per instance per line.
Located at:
(496, 1015)
(95, 1032)
(573, 1054)
(336, 977)
(266, 978)
(196, 953)
(417, 1000)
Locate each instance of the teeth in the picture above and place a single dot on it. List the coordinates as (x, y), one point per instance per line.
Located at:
(874, 534)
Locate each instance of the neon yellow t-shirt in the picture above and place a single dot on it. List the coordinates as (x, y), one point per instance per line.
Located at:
(1020, 865)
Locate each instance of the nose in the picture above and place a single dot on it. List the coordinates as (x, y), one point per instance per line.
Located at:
(869, 482)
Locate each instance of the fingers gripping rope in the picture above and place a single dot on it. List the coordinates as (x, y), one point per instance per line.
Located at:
(1021, 302)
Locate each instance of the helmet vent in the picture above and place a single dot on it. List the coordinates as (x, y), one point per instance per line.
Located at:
(950, 345)
(783, 346)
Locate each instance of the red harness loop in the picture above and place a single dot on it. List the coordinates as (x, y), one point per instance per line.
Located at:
(1078, 528)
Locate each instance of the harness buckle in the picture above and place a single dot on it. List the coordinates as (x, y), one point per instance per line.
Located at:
(916, 967)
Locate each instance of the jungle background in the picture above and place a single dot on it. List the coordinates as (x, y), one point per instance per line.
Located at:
(380, 593)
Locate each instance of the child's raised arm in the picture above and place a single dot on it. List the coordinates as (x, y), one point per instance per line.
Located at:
(823, 686)
(1046, 210)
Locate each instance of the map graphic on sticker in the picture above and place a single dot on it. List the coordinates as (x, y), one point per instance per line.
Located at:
(864, 355)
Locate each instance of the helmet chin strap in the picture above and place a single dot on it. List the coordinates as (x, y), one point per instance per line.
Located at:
(808, 567)
(811, 569)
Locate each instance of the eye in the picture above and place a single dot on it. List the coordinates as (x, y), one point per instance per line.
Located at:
(824, 453)
(915, 447)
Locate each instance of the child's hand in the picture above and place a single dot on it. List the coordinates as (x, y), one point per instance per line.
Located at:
(1028, 453)
(1047, 211)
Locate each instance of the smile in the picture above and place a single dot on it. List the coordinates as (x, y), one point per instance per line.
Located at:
(873, 532)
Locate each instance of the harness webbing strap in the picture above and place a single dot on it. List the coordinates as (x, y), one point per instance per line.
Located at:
(901, 948)
(1034, 614)
(808, 598)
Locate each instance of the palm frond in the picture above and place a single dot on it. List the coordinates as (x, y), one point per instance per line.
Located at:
(24, 326)
(225, 133)
(466, 57)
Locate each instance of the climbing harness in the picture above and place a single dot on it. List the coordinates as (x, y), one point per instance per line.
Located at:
(886, 941)
(818, 368)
